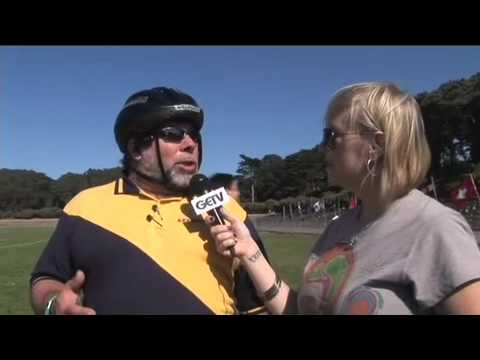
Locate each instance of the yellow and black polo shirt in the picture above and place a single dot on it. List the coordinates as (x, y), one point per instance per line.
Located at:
(143, 255)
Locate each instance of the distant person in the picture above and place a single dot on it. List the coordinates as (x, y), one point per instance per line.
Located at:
(399, 251)
(135, 246)
(229, 182)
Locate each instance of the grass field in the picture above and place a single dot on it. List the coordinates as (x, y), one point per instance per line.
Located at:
(288, 254)
(21, 246)
(19, 250)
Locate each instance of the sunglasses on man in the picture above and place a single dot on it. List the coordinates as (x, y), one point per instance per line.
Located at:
(177, 134)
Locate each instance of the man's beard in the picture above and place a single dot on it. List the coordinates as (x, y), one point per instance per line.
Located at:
(176, 181)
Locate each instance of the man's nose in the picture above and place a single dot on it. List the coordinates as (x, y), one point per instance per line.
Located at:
(188, 143)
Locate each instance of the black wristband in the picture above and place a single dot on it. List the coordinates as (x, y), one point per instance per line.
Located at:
(273, 291)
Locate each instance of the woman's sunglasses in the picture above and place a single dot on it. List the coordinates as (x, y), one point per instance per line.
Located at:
(330, 136)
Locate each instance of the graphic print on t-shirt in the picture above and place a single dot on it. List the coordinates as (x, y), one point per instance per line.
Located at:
(325, 278)
(362, 301)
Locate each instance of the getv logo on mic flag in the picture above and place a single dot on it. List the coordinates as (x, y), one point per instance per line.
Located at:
(209, 201)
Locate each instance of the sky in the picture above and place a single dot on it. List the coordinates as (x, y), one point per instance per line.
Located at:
(58, 104)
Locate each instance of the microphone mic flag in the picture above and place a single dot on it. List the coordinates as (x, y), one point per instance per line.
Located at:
(204, 200)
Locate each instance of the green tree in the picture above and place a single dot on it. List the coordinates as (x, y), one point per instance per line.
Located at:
(452, 122)
(247, 168)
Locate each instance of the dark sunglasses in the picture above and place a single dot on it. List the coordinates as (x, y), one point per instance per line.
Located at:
(330, 136)
(177, 134)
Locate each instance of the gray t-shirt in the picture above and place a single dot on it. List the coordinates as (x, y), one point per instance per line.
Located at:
(406, 262)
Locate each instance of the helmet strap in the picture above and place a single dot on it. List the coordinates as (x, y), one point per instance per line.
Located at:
(160, 165)
(159, 160)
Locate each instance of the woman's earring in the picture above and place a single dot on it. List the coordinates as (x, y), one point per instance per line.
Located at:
(371, 167)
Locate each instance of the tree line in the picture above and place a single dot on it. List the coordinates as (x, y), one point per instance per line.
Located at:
(28, 194)
(452, 121)
(452, 124)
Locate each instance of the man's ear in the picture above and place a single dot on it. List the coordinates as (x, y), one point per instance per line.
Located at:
(133, 150)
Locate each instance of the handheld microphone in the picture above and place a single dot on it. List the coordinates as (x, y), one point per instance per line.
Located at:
(204, 199)
(199, 187)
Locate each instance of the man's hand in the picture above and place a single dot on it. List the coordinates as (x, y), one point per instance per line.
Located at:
(68, 301)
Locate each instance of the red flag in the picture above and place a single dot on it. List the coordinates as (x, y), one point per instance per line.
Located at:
(464, 193)
(353, 202)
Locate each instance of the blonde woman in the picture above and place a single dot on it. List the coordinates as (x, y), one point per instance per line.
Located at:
(400, 252)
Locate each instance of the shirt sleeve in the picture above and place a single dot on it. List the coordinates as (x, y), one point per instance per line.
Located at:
(56, 261)
(444, 258)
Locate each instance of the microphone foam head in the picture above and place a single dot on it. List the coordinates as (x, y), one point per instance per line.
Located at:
(199, 184)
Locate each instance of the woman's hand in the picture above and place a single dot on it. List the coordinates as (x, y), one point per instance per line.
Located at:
(233, 238)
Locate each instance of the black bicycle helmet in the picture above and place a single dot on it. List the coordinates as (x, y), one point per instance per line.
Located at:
(147, 110)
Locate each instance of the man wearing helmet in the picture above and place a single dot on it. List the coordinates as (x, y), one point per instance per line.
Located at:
(135, 246)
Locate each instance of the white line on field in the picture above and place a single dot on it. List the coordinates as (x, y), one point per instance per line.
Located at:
(21, 245)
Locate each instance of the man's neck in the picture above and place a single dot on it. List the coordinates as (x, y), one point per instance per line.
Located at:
(157, 190)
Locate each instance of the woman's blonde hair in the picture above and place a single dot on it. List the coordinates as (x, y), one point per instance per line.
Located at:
(383, 107)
